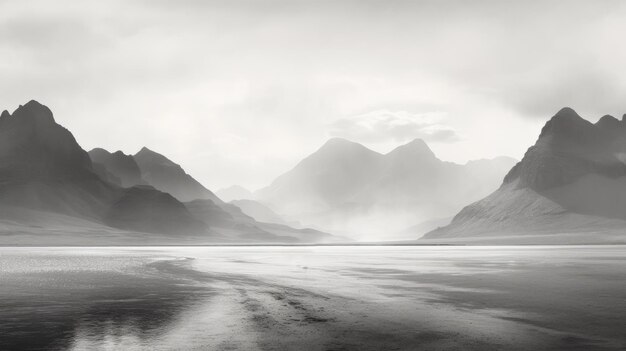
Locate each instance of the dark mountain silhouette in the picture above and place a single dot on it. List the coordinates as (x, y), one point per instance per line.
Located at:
(34, 147)
(43, 168)
(51, 193)
(572, 182)
(168, 176)
(346, 187)
(122, 168)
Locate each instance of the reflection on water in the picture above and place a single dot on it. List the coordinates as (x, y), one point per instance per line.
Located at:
(351, 298)
(74, 306)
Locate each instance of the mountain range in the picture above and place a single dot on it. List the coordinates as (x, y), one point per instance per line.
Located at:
(54, 192)
(569, 188)
(347, 188)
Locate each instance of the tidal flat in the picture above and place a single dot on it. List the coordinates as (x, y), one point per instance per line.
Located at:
(313, 298)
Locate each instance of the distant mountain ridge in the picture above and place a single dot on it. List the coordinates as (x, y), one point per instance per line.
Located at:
(149, 167)
(165, 175)
(117, 167)
(345, 186)
(570, 187)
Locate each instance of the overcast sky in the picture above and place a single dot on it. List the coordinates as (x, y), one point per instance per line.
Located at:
(238, 92)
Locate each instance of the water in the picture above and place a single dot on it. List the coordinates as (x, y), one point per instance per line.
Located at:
(318, 298)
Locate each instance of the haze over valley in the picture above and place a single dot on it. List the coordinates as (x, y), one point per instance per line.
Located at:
(347, 188)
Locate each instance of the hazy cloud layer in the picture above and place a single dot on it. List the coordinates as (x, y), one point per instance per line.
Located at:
(384, 126)
(238, 91)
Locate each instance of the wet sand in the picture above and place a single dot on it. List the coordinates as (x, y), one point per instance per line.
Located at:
(326, 298)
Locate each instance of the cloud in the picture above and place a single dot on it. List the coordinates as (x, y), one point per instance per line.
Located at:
(239, 91)
(383, 126)
(592, 91)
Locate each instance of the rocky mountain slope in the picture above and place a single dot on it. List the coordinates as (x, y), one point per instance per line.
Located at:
(570, 187)
(167, 176)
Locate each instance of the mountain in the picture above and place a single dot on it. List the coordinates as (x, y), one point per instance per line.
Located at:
(34, 147)
(116, 167)
(324, 179)
(42, 168)
(570, 187)
(234, 192)
(51, 193)
(348, 188)
(167, 176)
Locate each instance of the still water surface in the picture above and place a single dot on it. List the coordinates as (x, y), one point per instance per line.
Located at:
(317, 298)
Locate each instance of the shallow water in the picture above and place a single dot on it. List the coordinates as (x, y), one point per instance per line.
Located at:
(318, 298)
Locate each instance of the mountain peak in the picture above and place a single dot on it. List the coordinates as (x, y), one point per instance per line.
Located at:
(34, 104)
(33, 112)
(338, 142)
(122, 167)
(145, 156)
(417, 143)
(145, 149)
(566, 123)
(341, 146)
(567, 112)
(34, 146)
(99, 155)
(415, 148)
(166, 175)
(608, 122)
(99, 151)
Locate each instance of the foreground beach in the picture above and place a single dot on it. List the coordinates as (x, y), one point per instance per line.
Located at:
(313, 298)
